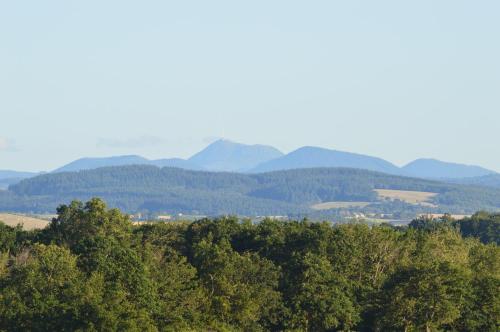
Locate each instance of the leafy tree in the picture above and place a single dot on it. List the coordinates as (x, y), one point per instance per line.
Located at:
(8, 237)
(424, 297)
(183, 304)
(78, 222)
(242, 288)
(44, 291)
(93, 270)
(102, 239)
(482, 310)
(482, 225)
(321, 300)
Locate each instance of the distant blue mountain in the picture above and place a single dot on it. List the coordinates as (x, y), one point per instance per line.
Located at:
(436, 169)
(8, 174)
(177, 162)
(93, 163)
(228, 156)
(312, 157)
(224, 155)
(8, 177)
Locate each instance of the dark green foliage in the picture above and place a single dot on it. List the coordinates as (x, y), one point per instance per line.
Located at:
(14, 239)
(482, 225)
(424, 297)
(292, 192)
(319, 298)
(8, 237)
(93, 270)
(44, 291)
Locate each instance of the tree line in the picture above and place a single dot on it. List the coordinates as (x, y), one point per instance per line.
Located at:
(91, 269)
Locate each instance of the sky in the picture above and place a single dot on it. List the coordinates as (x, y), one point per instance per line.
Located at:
(395, 79)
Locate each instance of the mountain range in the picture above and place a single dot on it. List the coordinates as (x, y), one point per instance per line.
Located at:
(227, 156)
(93, 163)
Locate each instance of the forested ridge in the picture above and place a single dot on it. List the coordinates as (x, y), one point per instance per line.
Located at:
(150, 189)
(91, 269)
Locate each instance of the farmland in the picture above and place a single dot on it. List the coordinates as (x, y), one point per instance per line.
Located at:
(29, 223)
(411, 197)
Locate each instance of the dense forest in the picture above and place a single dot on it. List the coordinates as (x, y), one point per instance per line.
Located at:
(153, 189)
(492, 180)
(91, 269)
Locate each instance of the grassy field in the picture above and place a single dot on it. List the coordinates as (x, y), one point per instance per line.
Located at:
(339, 205)
(28, 223)
(412, 197)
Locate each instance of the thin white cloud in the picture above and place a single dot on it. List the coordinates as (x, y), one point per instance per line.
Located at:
(7, 145)
(4, 144)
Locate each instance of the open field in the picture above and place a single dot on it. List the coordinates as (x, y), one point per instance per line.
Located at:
(28, 223)
(412, 197)
(339, 205)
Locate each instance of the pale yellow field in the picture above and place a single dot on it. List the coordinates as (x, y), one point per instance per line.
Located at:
(412, 197)
(28, 223)
(339, 205)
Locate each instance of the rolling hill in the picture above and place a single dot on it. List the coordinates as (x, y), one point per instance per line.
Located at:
(436, 169)
(93, 163)
(313, 157)
(8, 174)
(292, 192)
(492, 180)
(8, 177)
(222, 155)
(228, 156)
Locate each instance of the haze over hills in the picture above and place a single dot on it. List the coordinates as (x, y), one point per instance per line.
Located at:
(228, 156)
(8, 174)
(151, 189)
(224, 155)
(313, 157)
(432, 168)
(8, 177)
(93, 163)
(228, 177)
(492, 180)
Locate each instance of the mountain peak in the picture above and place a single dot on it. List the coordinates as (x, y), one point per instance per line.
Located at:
(226, 155)
(433, 168)
(313, 157)
(91, 163)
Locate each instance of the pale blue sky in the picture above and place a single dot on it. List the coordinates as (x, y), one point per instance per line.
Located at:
(395, 79)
